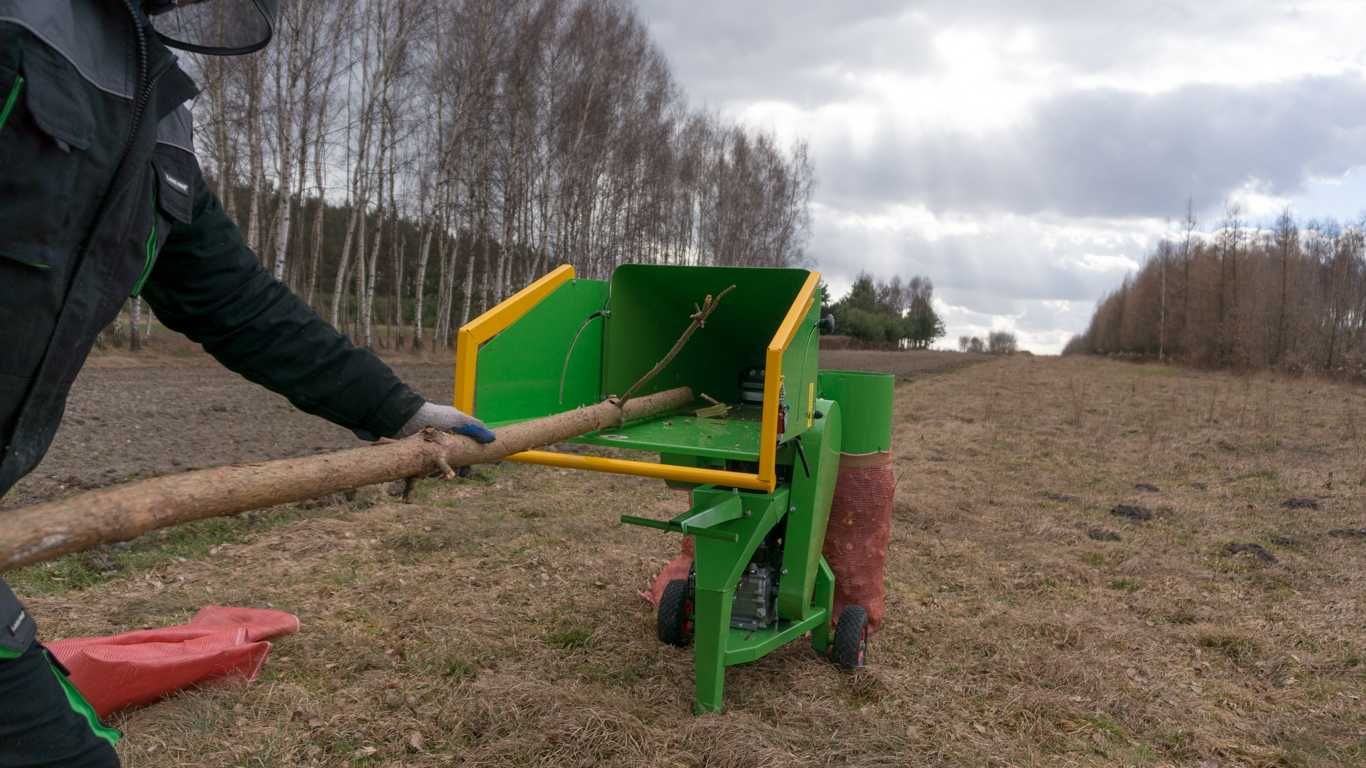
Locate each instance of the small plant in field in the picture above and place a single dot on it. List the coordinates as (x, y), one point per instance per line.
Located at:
(569, 638)
(1105, 724)
(1093, 559)
(458, 669)
(1236, 648)
(1123, 585)
(1181, 616)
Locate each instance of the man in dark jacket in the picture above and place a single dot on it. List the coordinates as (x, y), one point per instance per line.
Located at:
(101, 198)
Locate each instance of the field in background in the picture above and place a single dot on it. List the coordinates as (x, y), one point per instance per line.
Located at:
(1093, 563)
(167, 348)
(171, 408)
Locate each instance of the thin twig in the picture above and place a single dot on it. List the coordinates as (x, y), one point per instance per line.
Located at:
(699, 320)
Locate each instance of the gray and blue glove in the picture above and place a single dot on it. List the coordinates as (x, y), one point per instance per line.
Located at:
(447, 419)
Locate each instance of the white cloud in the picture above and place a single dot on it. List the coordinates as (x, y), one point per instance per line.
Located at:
(1025, 153)
(1106, 262)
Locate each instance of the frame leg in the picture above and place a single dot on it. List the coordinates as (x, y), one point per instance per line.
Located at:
(711, 626)
(823, 595)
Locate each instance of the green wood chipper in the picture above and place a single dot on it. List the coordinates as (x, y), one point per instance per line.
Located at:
(760, 450)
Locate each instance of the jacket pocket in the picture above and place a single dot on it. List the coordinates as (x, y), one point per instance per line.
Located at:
(46, 130)
(16, 626)
(45, 183)
(172, 203)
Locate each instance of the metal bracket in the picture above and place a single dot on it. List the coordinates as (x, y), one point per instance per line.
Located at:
(698, 523)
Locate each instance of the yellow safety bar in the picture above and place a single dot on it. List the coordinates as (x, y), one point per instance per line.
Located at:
(494, 322)
(700, 475)
(773, 377)
(497, 319)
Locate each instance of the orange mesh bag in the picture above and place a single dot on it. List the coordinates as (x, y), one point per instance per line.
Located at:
(677, 568)
(859, 530)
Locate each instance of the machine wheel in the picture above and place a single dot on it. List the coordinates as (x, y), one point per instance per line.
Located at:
(850, 649)
(673, 622)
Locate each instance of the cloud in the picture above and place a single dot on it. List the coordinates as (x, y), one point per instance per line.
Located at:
(1025, 153)
(728, 54)
(983, 262)
(1113, 153)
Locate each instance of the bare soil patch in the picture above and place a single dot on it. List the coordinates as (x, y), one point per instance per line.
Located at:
(130, 421)
(494, 621)
(904, 363)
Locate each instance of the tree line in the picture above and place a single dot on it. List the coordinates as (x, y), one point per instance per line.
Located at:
(888, 313)
(406, 164)
(1287, 296)
(997, 343)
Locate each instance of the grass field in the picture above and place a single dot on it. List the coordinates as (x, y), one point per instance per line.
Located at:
(495, 621)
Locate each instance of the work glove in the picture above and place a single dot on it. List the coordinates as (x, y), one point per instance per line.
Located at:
(446, 419)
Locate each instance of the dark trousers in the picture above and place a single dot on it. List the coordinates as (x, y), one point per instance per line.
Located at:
(44, 720)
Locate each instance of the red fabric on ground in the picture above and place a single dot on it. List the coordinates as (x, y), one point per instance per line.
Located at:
(677, 568)
(859, 530)
(140, 667)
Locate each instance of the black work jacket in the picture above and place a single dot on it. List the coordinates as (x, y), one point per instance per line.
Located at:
(101, 198)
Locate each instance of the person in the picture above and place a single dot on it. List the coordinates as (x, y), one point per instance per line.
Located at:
(102, 198)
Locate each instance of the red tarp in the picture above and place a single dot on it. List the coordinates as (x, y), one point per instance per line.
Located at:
(141, 667)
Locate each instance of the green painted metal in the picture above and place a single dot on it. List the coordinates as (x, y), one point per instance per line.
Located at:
(648, 308)
(866, 402)
(744, 646)
(651, 306)
(823, 596)
(718, 566)
(801, 365)
(734, 437)
(697, 522)
(728, 526)
(810, 511)
(724, 511)
(519, 369)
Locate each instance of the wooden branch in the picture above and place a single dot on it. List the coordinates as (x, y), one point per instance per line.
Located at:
(699, 320)
(44, 531)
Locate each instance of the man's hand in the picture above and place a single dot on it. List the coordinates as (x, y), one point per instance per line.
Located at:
(447, 419)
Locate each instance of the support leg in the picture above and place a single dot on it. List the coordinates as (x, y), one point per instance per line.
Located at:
(824, 597)
(711, 625)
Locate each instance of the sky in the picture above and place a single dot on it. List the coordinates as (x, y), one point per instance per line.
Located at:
(1027, 154)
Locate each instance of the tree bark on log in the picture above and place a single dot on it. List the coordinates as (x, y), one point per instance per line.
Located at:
(41, 532)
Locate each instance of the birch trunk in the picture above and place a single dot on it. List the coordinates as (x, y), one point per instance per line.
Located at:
(420, 282)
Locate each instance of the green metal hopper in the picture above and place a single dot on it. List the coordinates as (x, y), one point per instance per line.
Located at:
(761, 475)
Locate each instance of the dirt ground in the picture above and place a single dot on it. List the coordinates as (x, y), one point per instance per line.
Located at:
(132, 416)
(130, 420)
(1093, 563)
(903, 364)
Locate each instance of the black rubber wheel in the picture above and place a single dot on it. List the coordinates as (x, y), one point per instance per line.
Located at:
(673, 621)
(850, 649)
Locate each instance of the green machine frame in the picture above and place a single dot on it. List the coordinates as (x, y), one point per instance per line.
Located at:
(761, 477)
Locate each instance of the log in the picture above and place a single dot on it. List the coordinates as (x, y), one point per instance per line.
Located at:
(43, 531)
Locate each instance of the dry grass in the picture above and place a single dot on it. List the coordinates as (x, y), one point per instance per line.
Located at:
(494, 622)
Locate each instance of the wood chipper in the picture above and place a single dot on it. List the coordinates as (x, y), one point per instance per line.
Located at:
(759, 450)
